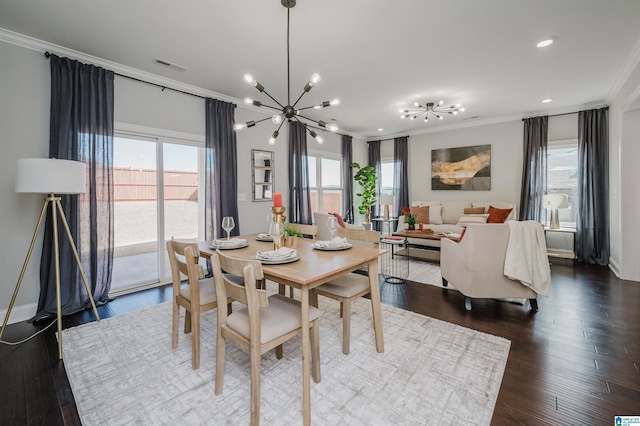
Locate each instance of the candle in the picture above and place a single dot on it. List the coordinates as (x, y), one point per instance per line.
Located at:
(277, 199)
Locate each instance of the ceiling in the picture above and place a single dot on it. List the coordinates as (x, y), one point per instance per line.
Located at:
(377, 56)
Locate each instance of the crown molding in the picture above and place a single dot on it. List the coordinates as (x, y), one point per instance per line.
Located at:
(42, 46)
(630, 64)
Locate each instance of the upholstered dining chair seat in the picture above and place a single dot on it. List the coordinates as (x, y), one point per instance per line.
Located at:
(207, 291)
(281, 317)
(345, 286)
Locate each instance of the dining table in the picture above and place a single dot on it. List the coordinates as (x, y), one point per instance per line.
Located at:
(313, 268)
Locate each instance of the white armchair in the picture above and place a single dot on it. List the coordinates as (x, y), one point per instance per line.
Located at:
(475, 265)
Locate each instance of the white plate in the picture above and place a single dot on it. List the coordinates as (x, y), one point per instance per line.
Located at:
(229, 247)
(277, 261)
(267, 239)
(328, 248)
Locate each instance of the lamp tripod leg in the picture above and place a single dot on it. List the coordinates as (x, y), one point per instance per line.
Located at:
(24, 265)
(75, 253)
(56, 254)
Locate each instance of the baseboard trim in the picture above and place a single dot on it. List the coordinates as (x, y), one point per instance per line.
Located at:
(20, 313)
(615, 268)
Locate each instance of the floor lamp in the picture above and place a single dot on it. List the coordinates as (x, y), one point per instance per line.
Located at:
(51, 176)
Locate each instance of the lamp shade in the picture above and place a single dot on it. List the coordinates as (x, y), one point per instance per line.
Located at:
(48, 175)
(555, 201)
(386, 200)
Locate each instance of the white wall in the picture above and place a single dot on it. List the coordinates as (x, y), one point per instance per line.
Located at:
(24, 132)
(624, 175)
(506, 161)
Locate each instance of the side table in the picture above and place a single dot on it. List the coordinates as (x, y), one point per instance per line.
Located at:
(564, 254)
(394, 269)
(384, 221)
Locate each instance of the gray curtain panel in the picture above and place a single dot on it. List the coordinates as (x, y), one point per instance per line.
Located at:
(534, 168)
(81, 129)
(400, 174)
(374, 161)
(347, 176)
(592, 223)
(299, 196)
(221, 168)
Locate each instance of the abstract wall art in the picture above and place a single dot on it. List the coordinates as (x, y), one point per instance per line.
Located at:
(466, 168)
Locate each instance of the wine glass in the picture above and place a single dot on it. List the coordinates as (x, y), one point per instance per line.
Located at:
(332, 224)
(228, 224)
(276, 230)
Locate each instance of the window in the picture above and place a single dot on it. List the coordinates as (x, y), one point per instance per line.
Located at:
(325, 184)
(562, 178)
(386, 176)
(156, 198)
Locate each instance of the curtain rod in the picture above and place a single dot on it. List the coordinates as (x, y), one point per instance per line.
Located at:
(564, 113)
(388, 139)
(48, 55)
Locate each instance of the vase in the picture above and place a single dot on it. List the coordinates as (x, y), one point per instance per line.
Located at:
(412, 227)
(291, 241)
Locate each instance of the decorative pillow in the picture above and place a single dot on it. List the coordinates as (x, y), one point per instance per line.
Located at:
(474, 210)
(435, 215)
(405, 212)
(466, 219)
(340, 220)
(421, 214)
(498, 215)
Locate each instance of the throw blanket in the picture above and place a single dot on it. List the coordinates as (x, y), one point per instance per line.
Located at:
(526, 259)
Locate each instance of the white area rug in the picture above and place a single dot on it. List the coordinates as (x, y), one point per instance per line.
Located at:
(425, 272)
(123, 371)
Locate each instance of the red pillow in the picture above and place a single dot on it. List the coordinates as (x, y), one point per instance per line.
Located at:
(405, 211)
(340, 220)
(498, 215)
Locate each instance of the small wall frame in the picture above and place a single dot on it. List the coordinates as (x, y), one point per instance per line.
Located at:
(262, 174)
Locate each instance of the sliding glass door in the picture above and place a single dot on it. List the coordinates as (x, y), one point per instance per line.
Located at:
(155, 198)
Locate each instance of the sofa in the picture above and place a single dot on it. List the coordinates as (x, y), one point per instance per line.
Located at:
(445, 216)
(479, 264)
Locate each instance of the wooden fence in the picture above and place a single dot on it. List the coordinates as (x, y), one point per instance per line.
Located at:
(141, 185)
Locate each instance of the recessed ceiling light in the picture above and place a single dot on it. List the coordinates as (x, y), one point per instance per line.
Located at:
(546, 101)
(380, 129)
(546, 42)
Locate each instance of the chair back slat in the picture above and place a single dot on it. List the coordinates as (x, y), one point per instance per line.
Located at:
(177, 259)
(239, 267)
(306, 230)
(371, 238)
(234, 266)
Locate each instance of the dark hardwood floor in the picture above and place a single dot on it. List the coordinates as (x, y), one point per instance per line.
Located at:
(575, 362)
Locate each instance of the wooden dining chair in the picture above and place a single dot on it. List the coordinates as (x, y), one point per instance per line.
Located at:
(262, 325)
(198, 296)
(348, 288)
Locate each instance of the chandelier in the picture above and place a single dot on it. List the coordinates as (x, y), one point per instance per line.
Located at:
(430, 108)
(288, 111)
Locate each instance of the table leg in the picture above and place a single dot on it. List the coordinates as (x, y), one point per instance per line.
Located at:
(374, 284)
(306, 355)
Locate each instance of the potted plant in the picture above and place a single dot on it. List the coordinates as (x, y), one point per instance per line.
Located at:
(366, 177)
(411, 221)
(291, 235)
